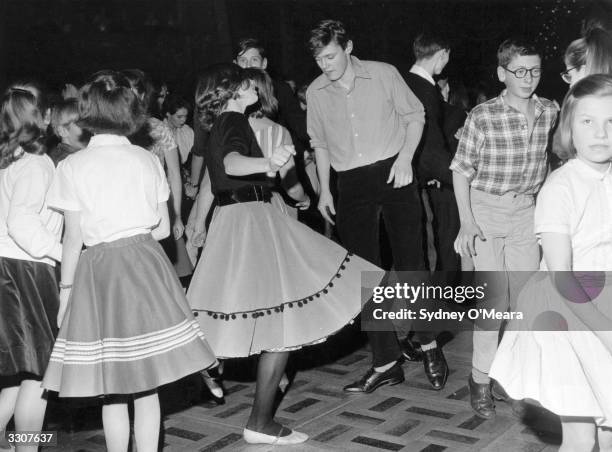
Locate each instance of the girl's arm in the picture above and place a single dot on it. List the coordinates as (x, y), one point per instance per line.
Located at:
(292, 185)
(71, 251)
(176, 188)
(558, 256)
(237, 164)
(162, 230)
(200, 211)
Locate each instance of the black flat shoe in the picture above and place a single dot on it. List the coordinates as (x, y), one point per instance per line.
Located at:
(481, 399)
(436, 368)
(372, 380)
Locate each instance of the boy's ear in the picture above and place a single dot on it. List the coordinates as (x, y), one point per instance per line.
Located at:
(264, 64)
(501, 74)
(349, 47)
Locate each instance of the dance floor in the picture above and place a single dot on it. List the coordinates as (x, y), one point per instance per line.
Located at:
(407, 417)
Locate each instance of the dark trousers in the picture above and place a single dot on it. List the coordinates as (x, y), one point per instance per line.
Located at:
(445, 227)
(364, 196)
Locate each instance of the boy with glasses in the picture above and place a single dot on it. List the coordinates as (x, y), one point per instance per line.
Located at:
(498, 169)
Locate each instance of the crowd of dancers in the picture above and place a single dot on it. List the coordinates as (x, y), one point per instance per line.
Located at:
(111, 182)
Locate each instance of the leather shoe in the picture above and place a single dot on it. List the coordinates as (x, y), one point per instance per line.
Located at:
(519, 408)
(411, 350)
(498, 392)
(253, 437)
(372, 379)
(436, 368)
(481, 399)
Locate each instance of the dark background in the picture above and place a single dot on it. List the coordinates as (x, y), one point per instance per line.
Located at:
(58, 41)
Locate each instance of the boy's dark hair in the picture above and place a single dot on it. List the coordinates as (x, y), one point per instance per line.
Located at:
(62, 109)
(174, 103)
(325, 32)
(513, 47)
(427, 44)
(107, 104)
(250, 43)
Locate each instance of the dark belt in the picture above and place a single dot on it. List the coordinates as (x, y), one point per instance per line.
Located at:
(248, 193)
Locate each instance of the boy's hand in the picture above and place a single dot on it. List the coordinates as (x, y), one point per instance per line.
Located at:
(326, 206)
(465, 241)
(401, 172)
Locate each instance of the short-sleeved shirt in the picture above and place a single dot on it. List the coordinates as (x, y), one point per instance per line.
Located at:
(497, 154)
(231, 132)
(366, 124)
(115, 186)
(577, 200)
(163, 139)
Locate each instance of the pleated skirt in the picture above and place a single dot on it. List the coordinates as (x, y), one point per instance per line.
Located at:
(128, 328)
(29, 301)
(553, 358)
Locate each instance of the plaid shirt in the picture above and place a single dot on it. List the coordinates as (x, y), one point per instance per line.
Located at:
(497, 154)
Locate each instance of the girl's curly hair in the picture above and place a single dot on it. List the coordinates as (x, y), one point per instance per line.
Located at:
(216, 86)
(21, 125)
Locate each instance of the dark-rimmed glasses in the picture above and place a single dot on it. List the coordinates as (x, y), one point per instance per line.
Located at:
(565, 75)
(521, 72)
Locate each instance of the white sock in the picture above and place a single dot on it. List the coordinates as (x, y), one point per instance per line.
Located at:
(386, 367)
(433, 344)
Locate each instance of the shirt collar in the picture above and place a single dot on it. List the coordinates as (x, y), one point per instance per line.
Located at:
(502, 103)
(358, 68)
(418, 70)
(105, 139)
(590, 172)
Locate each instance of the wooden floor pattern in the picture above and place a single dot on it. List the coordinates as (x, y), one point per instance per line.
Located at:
(406, 417)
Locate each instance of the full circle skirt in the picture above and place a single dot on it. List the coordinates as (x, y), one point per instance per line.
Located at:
(568, 370)
(29, 302)
(128, 328)
(266, 282)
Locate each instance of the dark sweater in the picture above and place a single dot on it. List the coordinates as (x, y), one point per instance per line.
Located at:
(432, 157)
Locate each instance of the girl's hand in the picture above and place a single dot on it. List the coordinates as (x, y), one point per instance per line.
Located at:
(198, 238)
(178, 228)
(280, 156)
(304, 204)
(64, 296)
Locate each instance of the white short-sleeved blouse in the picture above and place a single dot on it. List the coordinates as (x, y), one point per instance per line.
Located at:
(577, 200)
(116, 187)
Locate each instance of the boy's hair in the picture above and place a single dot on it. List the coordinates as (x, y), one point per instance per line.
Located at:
(21, 125)
(594, 85)
(267, 105)
(513, 47)
(61, 111)
(250, 43)
(174, 103)
(325, 32)
(107, 104)
(427, 44)
(216, 86)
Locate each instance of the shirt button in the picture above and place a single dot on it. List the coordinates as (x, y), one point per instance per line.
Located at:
(523, 127)
(352, 115)
(359, 155)
(356, 135)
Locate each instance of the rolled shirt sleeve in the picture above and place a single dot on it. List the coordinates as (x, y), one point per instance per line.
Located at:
(314, 122)
(471, 141)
